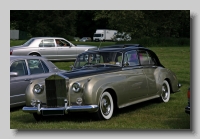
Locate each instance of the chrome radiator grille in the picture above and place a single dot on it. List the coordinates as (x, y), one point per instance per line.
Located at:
(56, 91)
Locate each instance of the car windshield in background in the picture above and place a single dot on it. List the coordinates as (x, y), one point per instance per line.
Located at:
(98, 59)
(28, 42)
(97, 35)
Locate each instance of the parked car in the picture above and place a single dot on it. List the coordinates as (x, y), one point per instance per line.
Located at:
(101, 81)
(76, 39)
(187, 108)
(23, 69)
(85, 39)
(48, 48)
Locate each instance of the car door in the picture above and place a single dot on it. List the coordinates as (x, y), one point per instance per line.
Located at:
(48, 49)
(65, 51)
(27, 70)
(149, 66)
(136, 83)
(18, 83)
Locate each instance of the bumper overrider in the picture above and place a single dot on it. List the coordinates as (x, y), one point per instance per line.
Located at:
(187, 108)
(39, 109)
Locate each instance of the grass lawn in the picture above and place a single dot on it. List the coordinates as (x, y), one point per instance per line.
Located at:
(143, 116)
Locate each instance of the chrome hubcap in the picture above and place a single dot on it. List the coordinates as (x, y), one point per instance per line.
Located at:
(105, 105)
(164, 91)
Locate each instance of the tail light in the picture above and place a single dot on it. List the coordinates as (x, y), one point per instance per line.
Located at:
(11, 51)
(188, 93)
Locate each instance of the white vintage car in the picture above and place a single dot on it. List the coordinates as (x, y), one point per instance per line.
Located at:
(52, 48)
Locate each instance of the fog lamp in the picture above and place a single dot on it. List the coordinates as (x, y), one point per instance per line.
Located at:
(79, 101)
(33, 102)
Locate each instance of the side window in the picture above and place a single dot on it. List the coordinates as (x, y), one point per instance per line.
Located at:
(19, 67)
(47, 43)
(151, 59)
(131, 58)
(61, 43)
(45, 67)
(35, 66)
(145, 58)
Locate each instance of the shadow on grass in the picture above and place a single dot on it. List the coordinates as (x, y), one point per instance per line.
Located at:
(180, 122)
(16, 108)
(78, 117)
(135, 107)
(73, 117)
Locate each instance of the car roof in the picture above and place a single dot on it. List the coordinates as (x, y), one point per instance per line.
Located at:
(13, 57)
(119, 48)
(47, 38)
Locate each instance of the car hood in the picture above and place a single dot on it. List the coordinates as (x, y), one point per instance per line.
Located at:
(90, 72)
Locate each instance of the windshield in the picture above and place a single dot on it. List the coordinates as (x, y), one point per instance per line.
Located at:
(28, 42)
(98, 35)
(98, 59)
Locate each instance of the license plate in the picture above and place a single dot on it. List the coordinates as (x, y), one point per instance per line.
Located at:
(50, 112)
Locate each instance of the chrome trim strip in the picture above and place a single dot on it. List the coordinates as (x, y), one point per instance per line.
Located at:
(18, 95)
(38, 109)
(18, 103)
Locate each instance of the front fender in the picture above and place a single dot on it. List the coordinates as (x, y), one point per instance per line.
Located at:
(32, 96)
(96, 87)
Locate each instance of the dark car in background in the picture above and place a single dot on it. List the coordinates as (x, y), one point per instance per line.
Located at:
(23, 69)
(187, 108)
(85, 39)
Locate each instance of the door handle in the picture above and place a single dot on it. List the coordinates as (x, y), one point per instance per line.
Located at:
(27, 79)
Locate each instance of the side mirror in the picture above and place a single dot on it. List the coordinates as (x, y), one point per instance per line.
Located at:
(126, 64)
(13, 74)
(71, 67)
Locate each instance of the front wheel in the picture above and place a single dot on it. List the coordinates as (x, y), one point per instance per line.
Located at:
(165, 94)
(106, 107)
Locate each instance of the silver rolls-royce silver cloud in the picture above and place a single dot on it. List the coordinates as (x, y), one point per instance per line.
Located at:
(23, 69)
(101, 81)
(52, 48)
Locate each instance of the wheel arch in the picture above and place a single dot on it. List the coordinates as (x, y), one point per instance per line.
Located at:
(114, 96)
(37, 53)
(170, 84)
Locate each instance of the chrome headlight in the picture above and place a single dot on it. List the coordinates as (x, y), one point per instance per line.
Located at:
(76, 87)
(38, 88)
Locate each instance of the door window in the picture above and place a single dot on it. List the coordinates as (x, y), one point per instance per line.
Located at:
(35, 66)
(19, 67)
(145, 58)
(61, 43)
(131, 58)
(47, 43)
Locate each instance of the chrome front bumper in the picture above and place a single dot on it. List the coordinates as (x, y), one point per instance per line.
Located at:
(59, 110)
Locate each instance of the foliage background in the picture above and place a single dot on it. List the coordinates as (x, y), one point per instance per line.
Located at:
(69, 23)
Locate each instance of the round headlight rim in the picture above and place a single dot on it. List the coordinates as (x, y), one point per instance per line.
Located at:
(41, 88)
(74, 87)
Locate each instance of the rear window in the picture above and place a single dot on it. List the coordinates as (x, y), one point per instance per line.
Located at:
(28, 42)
